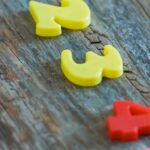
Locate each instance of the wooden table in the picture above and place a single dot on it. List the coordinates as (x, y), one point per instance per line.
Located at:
(39, 108)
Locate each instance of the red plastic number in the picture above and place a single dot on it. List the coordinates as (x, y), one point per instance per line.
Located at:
(129, 122)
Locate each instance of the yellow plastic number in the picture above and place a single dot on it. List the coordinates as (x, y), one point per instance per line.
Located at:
(91, 72)
(73, 14)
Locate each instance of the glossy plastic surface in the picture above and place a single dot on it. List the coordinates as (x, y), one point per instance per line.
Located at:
(73, 14)
(95, 67)
(129, 121)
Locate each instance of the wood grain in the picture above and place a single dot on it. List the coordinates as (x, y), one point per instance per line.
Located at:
(39, 108)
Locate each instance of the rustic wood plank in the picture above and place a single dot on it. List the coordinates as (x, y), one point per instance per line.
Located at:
(39, 108)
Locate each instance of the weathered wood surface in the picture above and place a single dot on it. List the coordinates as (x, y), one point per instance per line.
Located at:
(39, 108)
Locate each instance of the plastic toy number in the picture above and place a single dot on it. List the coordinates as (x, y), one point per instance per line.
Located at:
(73, 14)
(129, 122)
(91, 72)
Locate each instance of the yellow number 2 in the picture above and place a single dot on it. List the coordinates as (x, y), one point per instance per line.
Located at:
(73, 14)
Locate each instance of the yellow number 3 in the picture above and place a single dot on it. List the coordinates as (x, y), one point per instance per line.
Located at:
(91, 72)
(73, 14)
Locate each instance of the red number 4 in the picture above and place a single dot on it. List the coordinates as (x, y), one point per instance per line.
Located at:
(129, 121)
